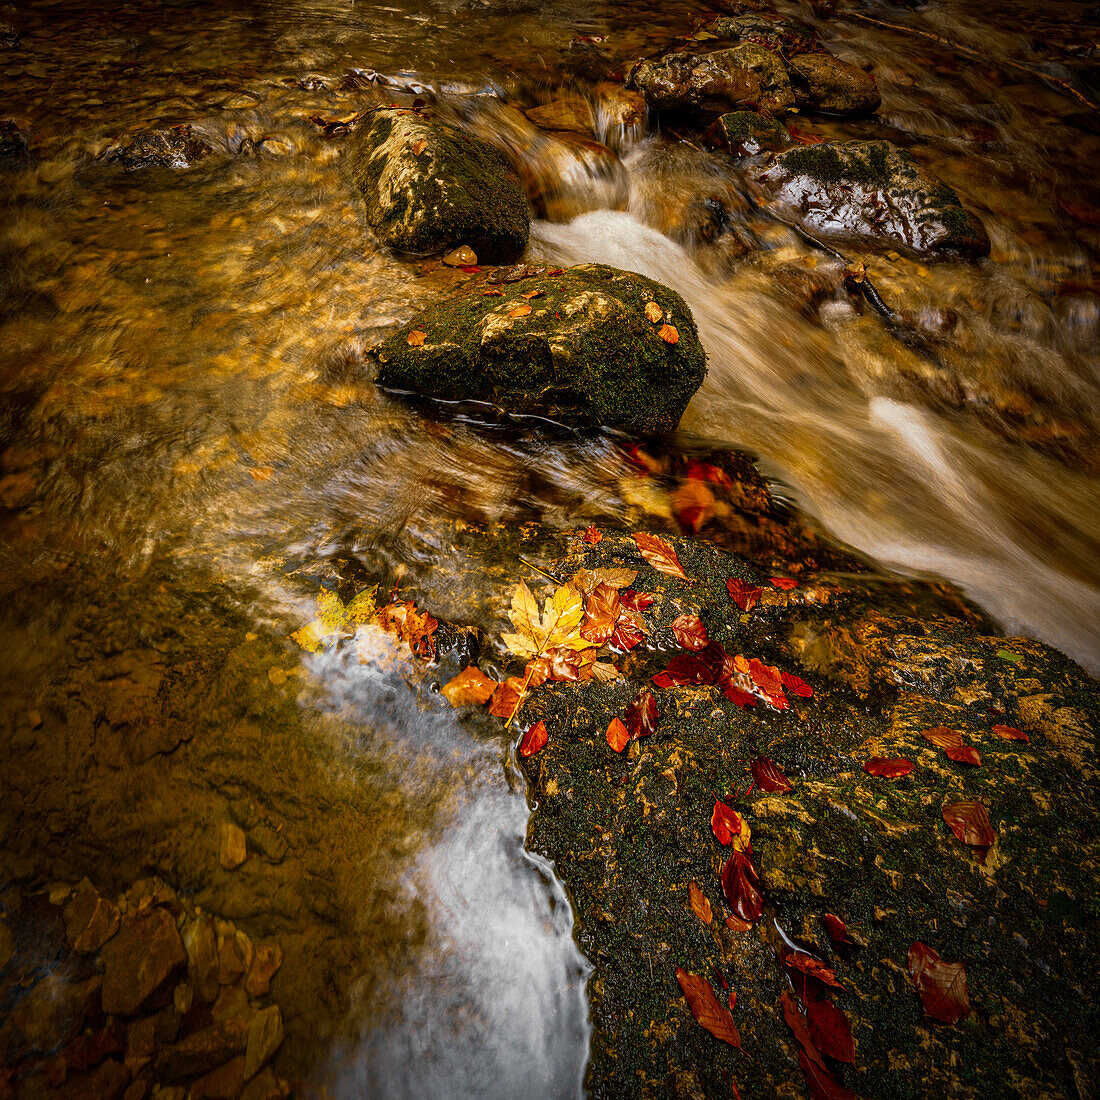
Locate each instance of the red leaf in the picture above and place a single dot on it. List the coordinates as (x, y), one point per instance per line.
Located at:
(746, 596)
(830, 1030)
(690, 632)
(785, 583)
(636, 601)
(799, 960)
(725, 823)
(765, 677)
(629, 631)
(592, 536)
(618, 736)
(822, 1084)
(641, 716)
(794, 1019)
(768, 776)
(533, 739)
(941, 985)
(738, 697)
(705, 471)
(796, 685)
(970, 822)
(889, 767)
(965, 754)
(1011, 733)
(601, 614)
(741, 885)
(659, 554)
(837, 929)
(704, 667)
(707, 1009)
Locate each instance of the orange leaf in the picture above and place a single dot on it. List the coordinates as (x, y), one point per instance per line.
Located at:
(519, 311)
(1010, 733)
(653, 312)
(799, 960)
(415, 339)
(669, 334)
(699, 904)
(942, 736)
(736, 924)
(492, 293)
(785, 583)
(506, 696)
(690, 632)
(969, 821)
(659, 554)
(618, 736)
(471, 685)
(707, 1009)
(601, 614)
(941, 985)
(533, 739)
(592, 536)
(420, 146)
(532, 294)
(888, 767)
(693, 505)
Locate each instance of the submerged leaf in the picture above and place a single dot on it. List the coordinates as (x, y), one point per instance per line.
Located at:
(889, 767)
(794, 1019)
(941, 985)
(707, 1009)
(471, 685)
(533, 740)
(690, 632)
(507, 697)
(969, 821)
(659, 554)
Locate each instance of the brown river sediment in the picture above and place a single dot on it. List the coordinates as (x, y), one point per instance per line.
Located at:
(189, 450)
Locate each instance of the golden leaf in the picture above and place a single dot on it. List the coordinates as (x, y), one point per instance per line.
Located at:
(700, 906)
(519, 311)
(653, 312)
(471, 685)
(669, 334)
(416, 338)
(525, 613)
(587, 580)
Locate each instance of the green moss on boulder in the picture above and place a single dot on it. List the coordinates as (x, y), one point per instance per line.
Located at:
(428, 187)
(746, 133)
(581, 351)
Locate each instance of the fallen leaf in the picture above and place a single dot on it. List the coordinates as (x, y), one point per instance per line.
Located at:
(701, 667)
(637, 601)
(587, 579)
(941, 985)
(736, 924)
(641, 715)
(729, 827)
(669, 334)
(785, 583)
(629, 631)
(533, 739)
(699, 904)
(413, 627)
(830, 1031)
(738, 696)
(659, 554)
(765, 677)
(690, 632)
(653, 312)
(1008, 655)
(419, 146)
(532, 294)
(796, 685)
(507, 697)
(471, 685)
(707, 1009)
(796, 1021)
(601, 614)
(888, 767)
(519, 311)
(969, 821)
(837, 929)
(605, 672)
(951, 741)
(618, 736)
(415, 339)
(492, 293)
(768, 777)
(592, 536)
(693, 505)
(1011, 733)
(799, 960)
(745, 596)
(741, 886)
(822, 1084)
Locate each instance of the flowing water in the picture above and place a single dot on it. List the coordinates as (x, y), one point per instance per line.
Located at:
(184, 406)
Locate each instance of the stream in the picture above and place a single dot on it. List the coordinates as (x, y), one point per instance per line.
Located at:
(185, 423)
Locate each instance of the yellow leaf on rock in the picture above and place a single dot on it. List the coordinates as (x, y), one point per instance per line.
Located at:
(416, 338)
(420, 146)
(669, 334)
(519, 311)
(653, 312)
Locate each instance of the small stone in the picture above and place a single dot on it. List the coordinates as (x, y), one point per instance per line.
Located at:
(141, 962)
(90, 919)
(203, 1050)
(463, 256)
(202, 957)
(564, 114)
(264, 1086)
(234, 957)
(266, 960)
(58, 892)
(223, 1083)
(232, 850)
(265, 1036)
(183, 997)
(34, 719)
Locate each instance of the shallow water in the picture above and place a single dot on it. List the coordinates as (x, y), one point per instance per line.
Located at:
(181, 367)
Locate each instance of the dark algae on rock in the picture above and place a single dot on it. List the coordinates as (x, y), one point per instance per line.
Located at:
(591, 345)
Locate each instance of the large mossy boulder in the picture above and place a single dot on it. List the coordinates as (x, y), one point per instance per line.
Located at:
(589, 346)
(745, 75)
(873, 191)
(429, 187)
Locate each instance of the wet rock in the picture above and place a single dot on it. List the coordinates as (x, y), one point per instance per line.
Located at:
(620, 115)
(776, 33)
(823, 82)
(265, 1036)
(746, 133)
(146, 1036)
(223, 1083)
(264, 1086)
(576, 347)
(203, 1050)
(141, 962)
(428, 187)
(745, 75)
(10, 38)
(234, 957)
(266, 961)
(201, 943)
(108, 1081)
(6, 947)
(232, 847)
(90, 919)
(177, 148)
(565, 114)
(872, 191)
(12, 141)
(50, 1014)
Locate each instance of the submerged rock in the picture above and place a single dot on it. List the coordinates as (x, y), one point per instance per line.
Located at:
(428, 187)
(12, 141)
(176, 148)
(746, 133)
(823, 82)
(871, 190)
(592, 346)
(745, 75)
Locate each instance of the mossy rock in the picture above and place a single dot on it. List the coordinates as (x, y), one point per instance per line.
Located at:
(746, 133)
(745, 75)
(873, 191)
(576, 347)
(787, 36)
(428, 187)
(177, 148)
(825, 83)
